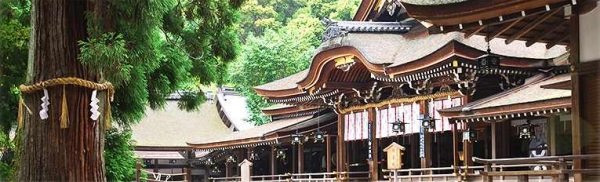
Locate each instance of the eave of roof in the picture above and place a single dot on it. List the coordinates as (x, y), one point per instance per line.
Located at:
(280, 109)
(454, 13)
(255, 135)
(391, 54)
(530, 97)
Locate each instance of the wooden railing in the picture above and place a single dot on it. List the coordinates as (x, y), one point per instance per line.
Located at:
(223, 179)
(152, 176)
(430, 174)
(304, 177)
(557, 167)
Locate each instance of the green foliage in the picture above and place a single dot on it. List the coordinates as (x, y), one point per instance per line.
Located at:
(119, 156)
(107, 55)
(14, 37)
(280, 39)
(150, 50)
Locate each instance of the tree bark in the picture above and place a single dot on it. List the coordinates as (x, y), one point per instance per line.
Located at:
(47, 152)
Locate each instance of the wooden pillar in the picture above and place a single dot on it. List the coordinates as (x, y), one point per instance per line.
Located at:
(575, 93)
(552, 134)
(188, 174)
(374, 163)
(227, 169)
(294, 158)
(426, 161)
(273, 159)
(341, 145)
(493, 133)
(456, 158)
(138, 172)
(468, 152)
(155, 165)
(328, 153)
(300, 158)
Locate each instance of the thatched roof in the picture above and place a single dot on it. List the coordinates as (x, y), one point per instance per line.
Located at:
(172, 127)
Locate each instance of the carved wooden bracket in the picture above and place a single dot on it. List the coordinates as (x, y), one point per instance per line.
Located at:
(466, 82)
(421, 86)
(511, 81)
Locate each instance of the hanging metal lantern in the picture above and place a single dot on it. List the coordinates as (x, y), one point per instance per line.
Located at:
(297, 138)
(319, 136)
(254, 156)
(231, 159)
(281, 154)
(526, 131)
(209, 162)
(428, 122)
(488, 61)
(216, 169)
(469, 135)
(398, 126)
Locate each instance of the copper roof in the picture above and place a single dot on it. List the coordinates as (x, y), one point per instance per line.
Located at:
(528, 97)
(171, 127)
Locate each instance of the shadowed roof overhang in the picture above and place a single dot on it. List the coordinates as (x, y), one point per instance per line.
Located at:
(471, 10)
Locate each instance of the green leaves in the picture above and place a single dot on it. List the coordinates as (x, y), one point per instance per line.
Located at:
(108, 56)
(119, 156)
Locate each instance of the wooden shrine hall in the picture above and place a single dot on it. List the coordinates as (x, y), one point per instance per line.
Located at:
(463, 94)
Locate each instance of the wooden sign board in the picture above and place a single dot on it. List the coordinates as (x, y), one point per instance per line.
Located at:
(394, 156)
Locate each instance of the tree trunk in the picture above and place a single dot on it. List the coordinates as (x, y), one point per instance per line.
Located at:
(47, 152)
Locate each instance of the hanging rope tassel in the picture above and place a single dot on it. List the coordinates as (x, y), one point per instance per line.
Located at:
(107, 115)
(64, 116)
(20, 114)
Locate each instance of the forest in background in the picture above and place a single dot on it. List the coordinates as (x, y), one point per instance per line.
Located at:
(278, 39)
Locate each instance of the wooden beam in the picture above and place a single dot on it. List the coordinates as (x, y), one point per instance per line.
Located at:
(474, 31)
(557, 40)
(502, 29)
(544, 34)
(532, 25)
